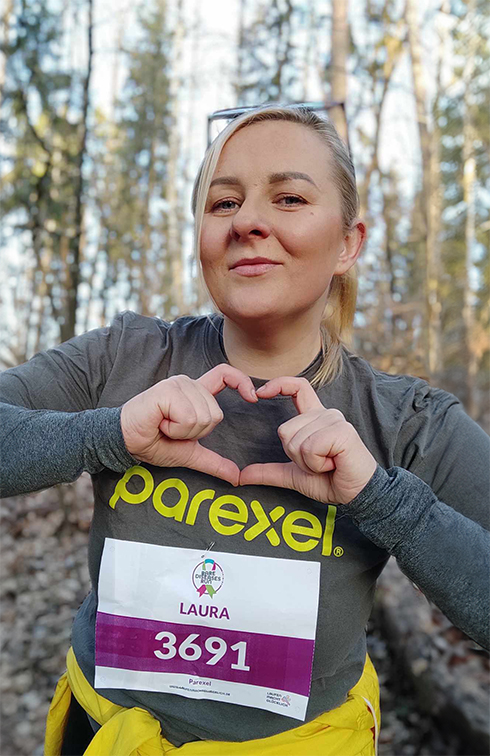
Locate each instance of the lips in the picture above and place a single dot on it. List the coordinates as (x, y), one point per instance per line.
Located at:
(251, 267)
(253, 261)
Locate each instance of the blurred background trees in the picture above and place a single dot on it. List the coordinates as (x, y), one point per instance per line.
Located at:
(103, 122)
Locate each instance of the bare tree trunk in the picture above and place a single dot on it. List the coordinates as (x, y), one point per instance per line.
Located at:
(430, 198)
(42, 253)
(340, 51)
(4, 28)
(145, 286)
(240, 52)
(394, 48)
(197, 294)
(174, 230)
(45, 256)
(27, 311)
(42, 292)
(90, 282)
(116, 63)
(310, 50)
(110, 280)
(73, 280)
(469, 178)
(283, 48)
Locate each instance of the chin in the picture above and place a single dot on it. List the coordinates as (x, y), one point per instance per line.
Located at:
(254, 312)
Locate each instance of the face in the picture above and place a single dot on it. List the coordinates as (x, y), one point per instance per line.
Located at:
(272, 234)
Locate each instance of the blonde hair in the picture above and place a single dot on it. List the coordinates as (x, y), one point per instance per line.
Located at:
(338, 318)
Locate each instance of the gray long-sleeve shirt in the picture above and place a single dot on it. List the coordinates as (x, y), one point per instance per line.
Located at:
(427, 503)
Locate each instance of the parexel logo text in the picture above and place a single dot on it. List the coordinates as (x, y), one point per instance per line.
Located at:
(230, 515)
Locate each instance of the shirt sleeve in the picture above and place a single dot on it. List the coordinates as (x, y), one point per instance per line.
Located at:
(432, 512)
(51, 429)
(443, 446)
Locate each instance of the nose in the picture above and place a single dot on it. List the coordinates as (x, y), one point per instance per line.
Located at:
(248, 222)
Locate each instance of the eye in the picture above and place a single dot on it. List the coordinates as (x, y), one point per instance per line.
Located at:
(224, 205)
(291, 200)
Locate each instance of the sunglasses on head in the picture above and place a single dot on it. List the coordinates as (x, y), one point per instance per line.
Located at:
(229, 114)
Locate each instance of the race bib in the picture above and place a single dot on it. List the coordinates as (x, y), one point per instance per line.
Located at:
(225, 627)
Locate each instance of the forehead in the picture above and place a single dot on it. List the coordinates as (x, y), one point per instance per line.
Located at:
(275, 146)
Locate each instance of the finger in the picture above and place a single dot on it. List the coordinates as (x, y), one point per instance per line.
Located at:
(296, 427)
(215, 411)
(301, 440)
(322, 447)
(301, 391)
(189, 415)
(292, 442)
(292, 446)
(314, 457)
(179, 414)
(197, 397)
(317, 418)
(221, 376)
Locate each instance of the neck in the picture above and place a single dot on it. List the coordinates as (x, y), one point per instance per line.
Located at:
(271, 350)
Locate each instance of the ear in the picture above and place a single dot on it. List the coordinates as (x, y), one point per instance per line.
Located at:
(352, 246)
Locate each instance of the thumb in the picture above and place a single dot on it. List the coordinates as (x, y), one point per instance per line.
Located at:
(207, 461)
(271, 474)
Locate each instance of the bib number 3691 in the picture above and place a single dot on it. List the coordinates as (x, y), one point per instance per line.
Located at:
(189, 650)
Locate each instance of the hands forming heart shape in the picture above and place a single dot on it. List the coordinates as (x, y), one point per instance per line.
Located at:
(329, 461)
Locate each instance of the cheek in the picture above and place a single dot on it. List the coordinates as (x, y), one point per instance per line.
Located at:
(213, 241)
(314, 235)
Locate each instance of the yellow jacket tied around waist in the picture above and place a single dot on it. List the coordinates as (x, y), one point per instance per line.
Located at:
(349, 730)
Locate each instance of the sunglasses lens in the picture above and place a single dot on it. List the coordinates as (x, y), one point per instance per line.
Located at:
(221, 118)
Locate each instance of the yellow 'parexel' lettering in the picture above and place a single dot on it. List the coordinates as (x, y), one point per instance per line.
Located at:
(275, 515)
(290, 529)
(176, 511)
(329, 529)
(121, 491)
(264, 523)
(230, 508)
(217, 513)
(196, 502)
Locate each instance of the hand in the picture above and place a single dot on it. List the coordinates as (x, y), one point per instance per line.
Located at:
(329, 461)
(162, 424)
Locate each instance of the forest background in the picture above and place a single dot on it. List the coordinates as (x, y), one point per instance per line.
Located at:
(104, 125)
(104, 109)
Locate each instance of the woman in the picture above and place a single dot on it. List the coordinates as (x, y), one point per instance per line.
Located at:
(240, 523)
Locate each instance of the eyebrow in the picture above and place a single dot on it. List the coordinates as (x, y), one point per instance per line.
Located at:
(274, 178)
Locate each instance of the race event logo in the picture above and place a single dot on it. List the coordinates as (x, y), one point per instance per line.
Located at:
(208, 577)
